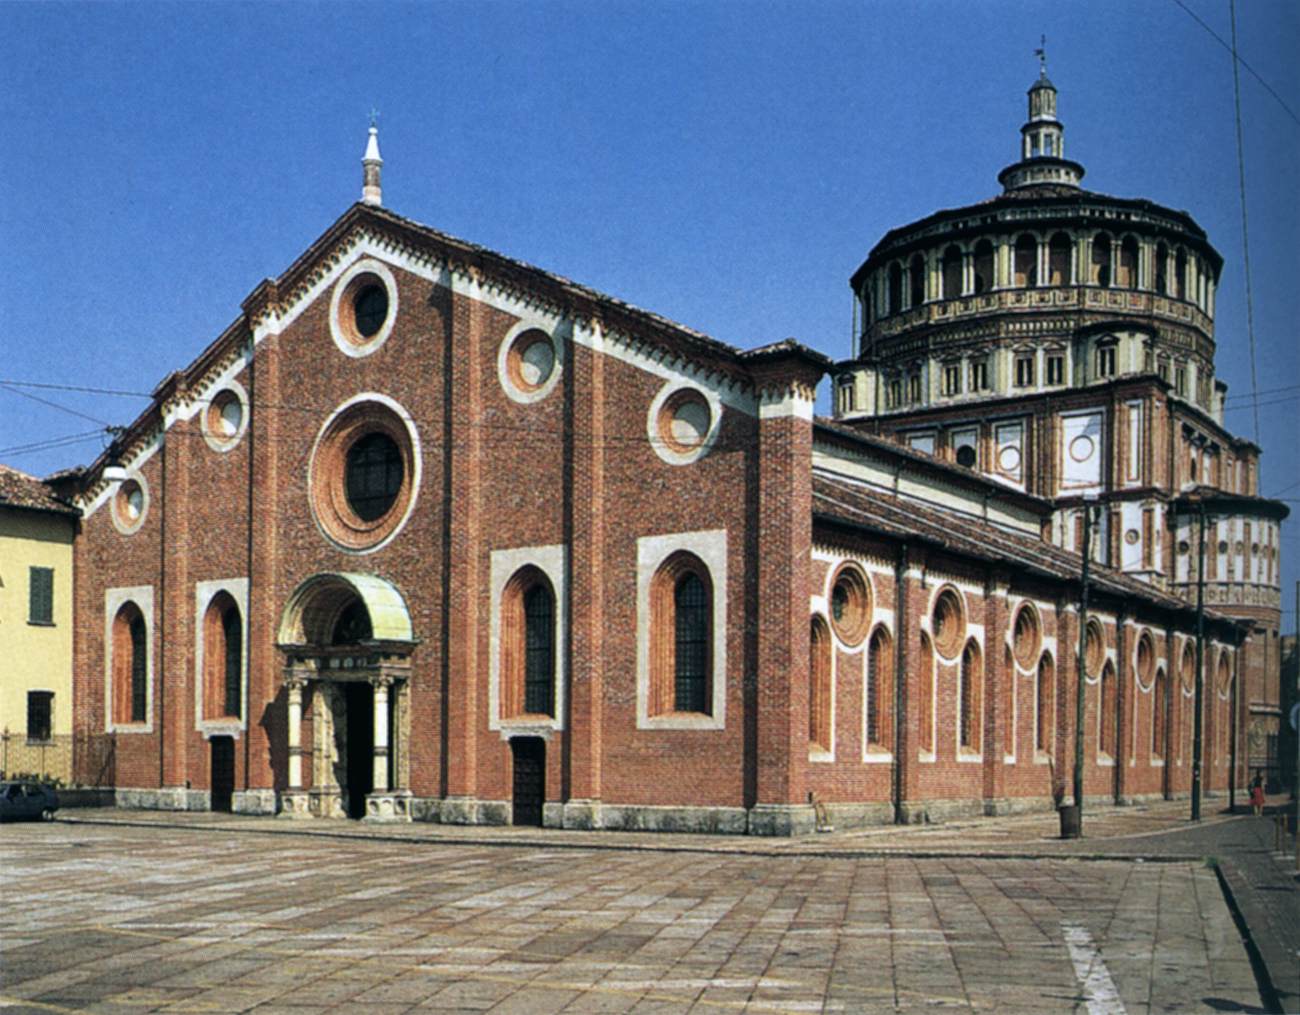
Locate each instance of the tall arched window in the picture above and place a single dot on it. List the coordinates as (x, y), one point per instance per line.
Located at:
(1009, 703)
(1058, 260)
(925, 696)
(1106, 722)
(130, 667)
(1180, 274)
(1159, 703)
(880, 690)
(1128, 264)
(983, 266)
(528, 645)
(917, 272)
(1025, 267)
(223, 650)
(972, 680)
(1045, 707)
(1101, 266)
(895, 288)
(952, 273)
(681, 644)
(539, 650)
(819, 685)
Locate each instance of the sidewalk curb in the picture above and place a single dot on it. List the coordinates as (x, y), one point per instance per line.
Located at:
(741, 849)
(1227, 873)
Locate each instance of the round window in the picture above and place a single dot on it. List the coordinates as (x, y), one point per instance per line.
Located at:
(531, 360)
(223, 421)
(370, 309)
(374, 475)
(363, 308)
(851, 604)
(948, 623)
(966, 455)
(364, 474)
(129, 505)
(684, 421)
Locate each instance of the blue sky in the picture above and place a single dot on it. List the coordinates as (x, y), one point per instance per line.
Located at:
(727, 165)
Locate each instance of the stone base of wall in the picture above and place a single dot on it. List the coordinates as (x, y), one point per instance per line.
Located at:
(460, 810)
(254, 801)
(644, 818)
(1137, 799)
(860, 815)
(166, 798)
(86, 798)
(1018, 805)
(930, 812)
(782, 819)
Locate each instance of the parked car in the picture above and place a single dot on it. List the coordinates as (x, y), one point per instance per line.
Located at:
(27, 800)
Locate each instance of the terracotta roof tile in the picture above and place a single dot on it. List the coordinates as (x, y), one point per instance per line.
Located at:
(17, 489)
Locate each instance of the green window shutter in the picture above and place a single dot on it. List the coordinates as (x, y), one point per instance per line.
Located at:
(42, 596)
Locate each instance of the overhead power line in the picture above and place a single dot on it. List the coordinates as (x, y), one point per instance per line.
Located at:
(1245, 233)
(1237, 58)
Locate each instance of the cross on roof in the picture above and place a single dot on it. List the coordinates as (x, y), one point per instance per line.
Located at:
(1041, 53)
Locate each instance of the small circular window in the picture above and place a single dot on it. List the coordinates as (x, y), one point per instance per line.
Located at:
(363, 308)
(966, 456)
(225, 418)
(851, 604)
(684, 421)
(364, 473)
(531, 360)
(948, 623)
(130, 504)
(1027, 637)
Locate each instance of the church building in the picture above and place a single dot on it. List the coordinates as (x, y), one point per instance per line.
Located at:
(428, 533)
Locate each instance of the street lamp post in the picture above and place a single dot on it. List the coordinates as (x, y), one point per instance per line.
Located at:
(1200, 666)
(1081, 676)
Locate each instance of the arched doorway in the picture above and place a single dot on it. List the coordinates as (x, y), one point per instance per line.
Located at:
(347, 642)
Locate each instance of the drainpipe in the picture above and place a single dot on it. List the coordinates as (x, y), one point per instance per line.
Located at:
(900, 679)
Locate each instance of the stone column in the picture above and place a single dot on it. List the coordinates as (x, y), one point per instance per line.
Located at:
(294, 801)
(380, 777)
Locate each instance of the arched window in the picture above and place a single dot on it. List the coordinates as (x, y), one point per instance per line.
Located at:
(880, 690)
(1009, 703)
(925, 696)
(819, 685)
(951, 272)
(1162, 269)
(1045, 708)
(895, 288)
(130, 667)
(917, 272)
(681, 608)
(1101, 266)
(983, 266)
(972, 679)
(1128, 264)
(528, 645)
(1159, 702)
(1223, 695)
(1180, 274)
(1025, 268)
(1106, 722)
(1058, 260)
(223, 651)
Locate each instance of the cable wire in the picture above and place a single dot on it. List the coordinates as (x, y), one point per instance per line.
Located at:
(1245, 233)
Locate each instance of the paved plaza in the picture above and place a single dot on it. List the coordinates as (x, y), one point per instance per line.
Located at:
(231, 916)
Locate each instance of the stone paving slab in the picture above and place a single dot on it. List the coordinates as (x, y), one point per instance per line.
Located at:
(118, 918)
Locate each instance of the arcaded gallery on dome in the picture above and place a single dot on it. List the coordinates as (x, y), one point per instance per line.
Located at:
(460, 540)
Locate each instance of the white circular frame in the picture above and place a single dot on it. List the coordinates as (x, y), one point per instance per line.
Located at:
(662, 448)
(124, 525)
(339, 331)
(215, 441)
(417, 470)
(530, 395)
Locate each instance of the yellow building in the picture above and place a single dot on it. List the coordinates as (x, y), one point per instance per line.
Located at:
(36, 534)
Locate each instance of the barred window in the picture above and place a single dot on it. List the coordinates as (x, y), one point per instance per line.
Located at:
(539, 650)
(40, 707)
(41, 604)
(691, 644)
(374, 475)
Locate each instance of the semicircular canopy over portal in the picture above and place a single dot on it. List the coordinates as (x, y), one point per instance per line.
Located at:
(313, 612)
